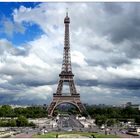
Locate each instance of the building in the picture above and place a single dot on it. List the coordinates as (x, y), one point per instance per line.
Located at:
(129, 104)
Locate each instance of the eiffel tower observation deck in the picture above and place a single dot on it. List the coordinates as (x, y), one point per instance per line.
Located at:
(66, 76)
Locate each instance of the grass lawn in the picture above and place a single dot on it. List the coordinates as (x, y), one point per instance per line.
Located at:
(48, 135)
(74, 135)
(106, 136)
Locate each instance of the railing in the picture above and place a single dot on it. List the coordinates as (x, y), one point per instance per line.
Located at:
(66, 95)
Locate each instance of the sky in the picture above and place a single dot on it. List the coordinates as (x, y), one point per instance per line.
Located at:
(105, 51)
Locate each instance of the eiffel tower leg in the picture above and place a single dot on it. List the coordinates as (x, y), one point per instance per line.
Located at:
(51, 108)
(81, 107)
(72, 87)
(59, 88)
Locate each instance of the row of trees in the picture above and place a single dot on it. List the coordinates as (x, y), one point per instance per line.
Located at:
(113, 112)
(20, 121)
(29, 112)
(111, 115)
(108, 115)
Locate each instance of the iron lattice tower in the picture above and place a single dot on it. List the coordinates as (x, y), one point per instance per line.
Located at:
(66, 76)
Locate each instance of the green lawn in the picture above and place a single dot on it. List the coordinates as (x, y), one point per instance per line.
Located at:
(106, 136)
(74, 134)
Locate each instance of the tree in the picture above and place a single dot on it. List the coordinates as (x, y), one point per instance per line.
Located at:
(6, 111)
(100, 119)
(12, 123)
(3, 124)
(31, 112)
(137, 119)
(111, 122)
(32, 124)
(56, 112)
(85, 114)
(22, 121)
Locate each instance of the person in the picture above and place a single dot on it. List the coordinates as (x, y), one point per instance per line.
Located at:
(115, 133)
(57, 135)
(93, 136)
(105, 132)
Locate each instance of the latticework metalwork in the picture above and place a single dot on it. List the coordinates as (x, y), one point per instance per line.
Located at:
(66, 76)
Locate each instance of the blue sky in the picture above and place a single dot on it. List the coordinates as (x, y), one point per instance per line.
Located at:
(105, 48)
(7, 7)
(32, 30)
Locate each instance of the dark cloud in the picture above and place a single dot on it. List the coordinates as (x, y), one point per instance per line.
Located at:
(132, 50)
(129, 95)
(114, 62)
(112, 8)
(127, 83)
(21, 52)
(124, 31)
(5, 98)
(124, 26)
(87, 82)
(32, 82)
(10, 99)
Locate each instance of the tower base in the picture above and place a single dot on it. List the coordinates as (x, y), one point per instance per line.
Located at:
(59, 99)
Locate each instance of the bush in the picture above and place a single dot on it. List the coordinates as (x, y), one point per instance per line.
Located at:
(22, 121)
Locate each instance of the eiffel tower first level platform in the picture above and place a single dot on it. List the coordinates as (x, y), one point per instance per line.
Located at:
(66, 77)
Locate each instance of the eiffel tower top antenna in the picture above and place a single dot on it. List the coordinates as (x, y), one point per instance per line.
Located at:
(66, 65)
(67, 12)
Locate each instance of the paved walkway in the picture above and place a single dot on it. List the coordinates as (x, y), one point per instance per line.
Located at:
(23, 135)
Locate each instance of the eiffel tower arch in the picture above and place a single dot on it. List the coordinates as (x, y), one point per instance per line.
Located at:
(60, 100)
(66, 76)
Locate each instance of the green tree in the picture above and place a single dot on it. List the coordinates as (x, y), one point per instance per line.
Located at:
(56, 112)
(100, 119)
(32, 124)
(22, 121)
(12, 123)
(31, 112)
(85, 114)
(6, 111)
(137, 119)
(111, 122)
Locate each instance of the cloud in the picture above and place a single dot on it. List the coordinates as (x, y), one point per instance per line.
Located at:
(32, 95)
(104, 53)
(7, 50)
(78, 58)
(9, 27)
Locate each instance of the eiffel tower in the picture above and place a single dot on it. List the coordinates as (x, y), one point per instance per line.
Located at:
(66, 77)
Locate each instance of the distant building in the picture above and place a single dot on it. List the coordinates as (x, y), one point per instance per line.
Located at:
(19, 106)
(129, 104)
(25, 106)
(137, 106)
